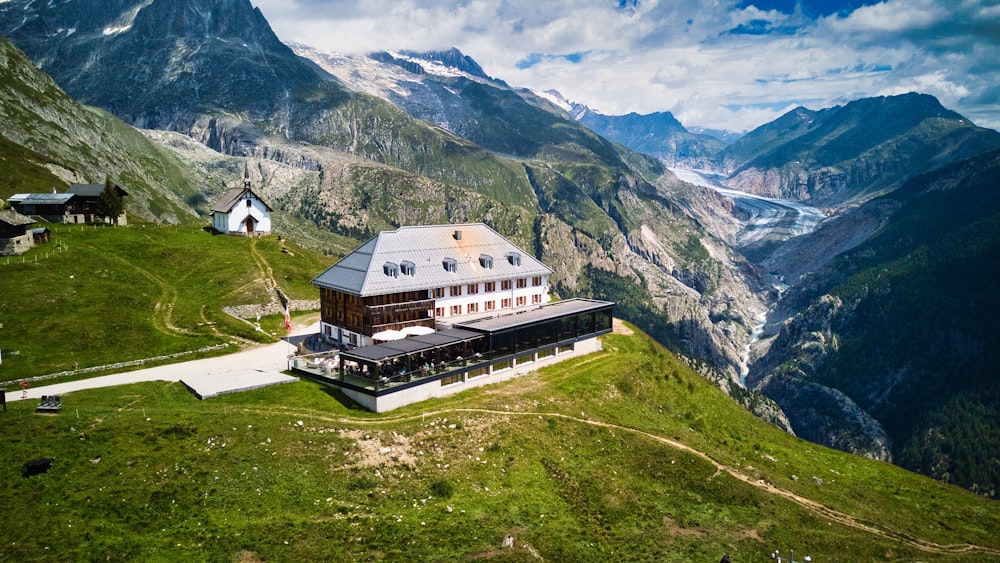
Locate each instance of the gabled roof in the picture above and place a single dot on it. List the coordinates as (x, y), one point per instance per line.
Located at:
(40, 199)
(428, 248)
(91, 190)
(232, 196)
(14, 219)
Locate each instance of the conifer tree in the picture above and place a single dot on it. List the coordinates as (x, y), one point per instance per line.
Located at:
(110, 203)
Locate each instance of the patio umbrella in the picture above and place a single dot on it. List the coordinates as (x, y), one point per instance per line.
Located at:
(387, 335)
(417, 330)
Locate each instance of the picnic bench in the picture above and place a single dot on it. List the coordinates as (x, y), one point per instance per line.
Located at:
(50, 404)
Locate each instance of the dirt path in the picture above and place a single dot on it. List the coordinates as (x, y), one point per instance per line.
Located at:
(256, 357)
(163, 310)
(813, 506)
(266, 271)
(619, 327)
(277, 352)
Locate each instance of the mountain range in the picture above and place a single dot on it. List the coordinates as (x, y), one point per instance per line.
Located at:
(579, 201)
(346, 145)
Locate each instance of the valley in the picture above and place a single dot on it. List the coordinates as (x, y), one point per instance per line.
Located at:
(767, 220)
(836, 280)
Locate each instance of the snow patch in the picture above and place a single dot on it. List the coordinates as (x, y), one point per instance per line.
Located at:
(126, 20)
(434, 67)
(555, 98)
(116, 30)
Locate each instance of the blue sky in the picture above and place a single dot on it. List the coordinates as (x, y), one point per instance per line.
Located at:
(725, 64)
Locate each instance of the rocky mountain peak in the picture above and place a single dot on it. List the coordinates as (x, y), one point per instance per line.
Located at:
(220, 19)
(153, 63)
(452, 58)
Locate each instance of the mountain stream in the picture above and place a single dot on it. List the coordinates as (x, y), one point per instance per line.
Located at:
(769, 221)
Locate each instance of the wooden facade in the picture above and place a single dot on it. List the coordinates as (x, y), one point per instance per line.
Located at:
(369, 315)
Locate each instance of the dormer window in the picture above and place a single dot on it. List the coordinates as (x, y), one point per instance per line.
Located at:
(514, 258)
(390, 269)
(450, 265)
(486, 261)
(408, 268)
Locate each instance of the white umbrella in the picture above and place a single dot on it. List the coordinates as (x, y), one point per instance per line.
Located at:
(417, 330)
(387, 335)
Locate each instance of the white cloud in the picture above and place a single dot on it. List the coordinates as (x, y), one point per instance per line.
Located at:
(684, 57)
(890, 17)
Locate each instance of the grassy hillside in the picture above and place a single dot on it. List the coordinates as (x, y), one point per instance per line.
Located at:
(98, 295)
(590, 460)
(48, 140)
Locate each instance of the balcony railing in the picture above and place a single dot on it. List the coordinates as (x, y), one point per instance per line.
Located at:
(399, 315)
(393, 308)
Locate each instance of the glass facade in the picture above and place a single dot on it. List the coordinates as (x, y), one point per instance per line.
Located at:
(474, 349)
(520, 339)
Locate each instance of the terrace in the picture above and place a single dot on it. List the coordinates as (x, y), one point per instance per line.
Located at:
(392, 364)
(508, 344)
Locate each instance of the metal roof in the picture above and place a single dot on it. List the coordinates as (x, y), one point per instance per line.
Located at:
(41, 199)
(429, 248)
(546, 312)
(375, 353)
(405, 345)
(414, 344)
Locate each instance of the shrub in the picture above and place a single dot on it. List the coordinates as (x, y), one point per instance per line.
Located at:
(442, 489)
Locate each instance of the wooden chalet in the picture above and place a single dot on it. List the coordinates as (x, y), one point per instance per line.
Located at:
(77, 205)
(85, 201)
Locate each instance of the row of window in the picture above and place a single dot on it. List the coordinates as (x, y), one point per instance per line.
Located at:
(408, 268)
(490, 305)
(506, 364)
(488, 287)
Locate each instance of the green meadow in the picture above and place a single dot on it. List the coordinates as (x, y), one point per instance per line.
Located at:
(622, 455)
(99, 295)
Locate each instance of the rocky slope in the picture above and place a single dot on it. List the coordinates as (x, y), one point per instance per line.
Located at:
(658, 134)
(901, 332)
(50, 141)
(852, 152)
(536, 175)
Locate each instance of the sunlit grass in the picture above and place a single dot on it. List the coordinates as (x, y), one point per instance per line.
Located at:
(99, 295)
(297, 472)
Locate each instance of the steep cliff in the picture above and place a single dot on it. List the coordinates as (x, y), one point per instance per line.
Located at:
(902, 330)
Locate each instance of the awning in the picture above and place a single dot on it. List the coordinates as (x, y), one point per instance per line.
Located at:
(408, 346)
(387, 335)
(417, 330)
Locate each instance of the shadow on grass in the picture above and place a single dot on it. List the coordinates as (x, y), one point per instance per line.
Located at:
(345, 401)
